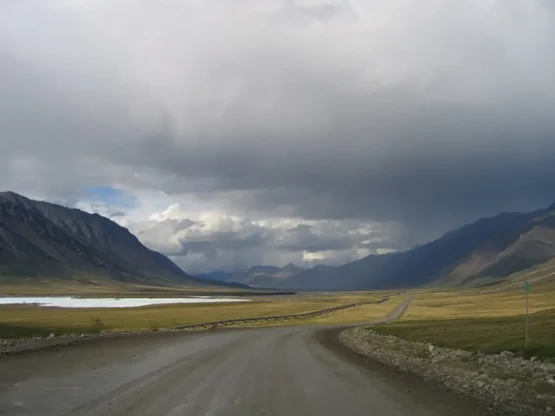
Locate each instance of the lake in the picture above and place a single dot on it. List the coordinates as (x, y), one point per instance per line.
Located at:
(74, 302)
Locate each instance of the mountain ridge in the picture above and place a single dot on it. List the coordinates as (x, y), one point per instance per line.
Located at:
(491, 247)
(44, 240)
(265, 276)
(255, 276)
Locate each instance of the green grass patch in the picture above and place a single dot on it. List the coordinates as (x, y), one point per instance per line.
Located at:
(489, 335)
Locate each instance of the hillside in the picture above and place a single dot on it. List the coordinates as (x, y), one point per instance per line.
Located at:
(489, 248)
(44, 240)
(540, 277)
(535, 245)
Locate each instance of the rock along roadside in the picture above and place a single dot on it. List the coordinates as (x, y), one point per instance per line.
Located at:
(516, 385)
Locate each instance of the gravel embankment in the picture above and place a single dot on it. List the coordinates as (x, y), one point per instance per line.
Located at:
(517, 385)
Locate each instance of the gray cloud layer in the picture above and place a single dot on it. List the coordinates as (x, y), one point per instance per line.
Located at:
(428, 114)
(238, 244)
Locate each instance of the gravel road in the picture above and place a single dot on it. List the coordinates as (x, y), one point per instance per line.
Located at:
(289, 371)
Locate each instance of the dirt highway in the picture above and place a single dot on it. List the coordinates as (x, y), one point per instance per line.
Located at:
(289, 371)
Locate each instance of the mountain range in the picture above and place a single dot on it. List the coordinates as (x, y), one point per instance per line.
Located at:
(43, 240)
(257, 276)
(481, 253)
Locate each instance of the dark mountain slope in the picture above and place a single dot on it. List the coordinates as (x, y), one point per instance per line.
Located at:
(535, 245)
(490, 247)
(39, 239)
(430, 262)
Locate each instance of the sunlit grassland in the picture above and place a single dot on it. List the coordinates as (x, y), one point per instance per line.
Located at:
(477, 303)
(360, 314)
(488, 320)
(23, 320)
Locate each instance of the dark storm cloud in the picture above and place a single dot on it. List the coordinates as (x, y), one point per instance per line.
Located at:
(304, 237)
(437, 167)
(296, 239)
(428, 114)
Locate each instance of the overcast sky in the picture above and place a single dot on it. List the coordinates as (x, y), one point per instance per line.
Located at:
(228, 133)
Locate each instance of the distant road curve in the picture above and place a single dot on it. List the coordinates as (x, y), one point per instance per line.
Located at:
(302, 315)
(289, 371)
(395, 314)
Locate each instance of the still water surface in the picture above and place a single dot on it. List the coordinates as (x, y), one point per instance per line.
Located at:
(71, 302)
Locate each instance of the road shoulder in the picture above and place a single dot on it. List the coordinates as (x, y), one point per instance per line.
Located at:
(406, 365)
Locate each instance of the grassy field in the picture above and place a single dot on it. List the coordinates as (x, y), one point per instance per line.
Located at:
(476, 303)
(358, 315)
(481, 319)
(23, 321)
(489, 319)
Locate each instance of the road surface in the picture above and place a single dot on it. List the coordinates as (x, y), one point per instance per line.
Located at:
(289, 371)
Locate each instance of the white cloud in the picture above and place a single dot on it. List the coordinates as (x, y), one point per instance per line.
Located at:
(203, 241)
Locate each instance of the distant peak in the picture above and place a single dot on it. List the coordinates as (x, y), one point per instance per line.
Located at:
(8, 193)
(12, 196)
(291, 266)
(262, 267)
